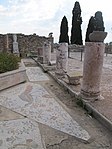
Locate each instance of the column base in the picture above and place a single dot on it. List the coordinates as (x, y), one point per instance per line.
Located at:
(90, 95)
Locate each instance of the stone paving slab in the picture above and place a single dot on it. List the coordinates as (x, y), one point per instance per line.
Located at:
(36, 74)
(33, 101)
(20, 134)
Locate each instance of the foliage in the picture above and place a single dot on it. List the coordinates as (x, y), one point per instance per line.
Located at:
(8, 62)
(76, 32)
(90, 28)
(64, 31)
(99, 24)
(95, 24)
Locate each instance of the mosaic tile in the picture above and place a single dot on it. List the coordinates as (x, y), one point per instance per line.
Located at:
(35, 102)
(20, 134)
(36, 74)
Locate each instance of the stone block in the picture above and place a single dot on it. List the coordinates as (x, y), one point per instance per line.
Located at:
(12, 78)
(74, 78)
(52, 62)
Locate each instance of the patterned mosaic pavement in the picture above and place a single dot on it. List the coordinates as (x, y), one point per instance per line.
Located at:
(20, 134)
(33, 101)
(36, 74)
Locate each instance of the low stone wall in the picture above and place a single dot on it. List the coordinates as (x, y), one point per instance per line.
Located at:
(12, 78)
(26, 43)
(79, 48)
(76, 48)
(72, 47)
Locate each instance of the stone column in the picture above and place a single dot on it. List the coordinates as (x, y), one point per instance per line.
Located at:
(51, 39)
(92, 70)
(6, 44)
(62, 59)
(15, 45)
(46, 53)
(40, 54)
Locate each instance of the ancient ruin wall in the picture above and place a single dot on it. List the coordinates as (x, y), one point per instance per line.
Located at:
(26, 43)
(32, 42)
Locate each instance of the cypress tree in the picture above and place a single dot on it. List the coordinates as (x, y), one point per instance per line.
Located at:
(99, 24)
(90, 28)
(64, 31)
(95, 24)
(76, 32)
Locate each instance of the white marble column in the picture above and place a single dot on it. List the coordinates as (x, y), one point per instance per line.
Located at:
(62, 59)
(15, 45)
(46, 53)
(92, 70)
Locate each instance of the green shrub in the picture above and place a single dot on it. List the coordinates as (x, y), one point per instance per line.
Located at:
(8, 62)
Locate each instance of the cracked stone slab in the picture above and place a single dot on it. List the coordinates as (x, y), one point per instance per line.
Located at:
(20, 134)
(36, 74)
(33, 101)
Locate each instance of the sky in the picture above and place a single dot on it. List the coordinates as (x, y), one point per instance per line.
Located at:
(44, 16)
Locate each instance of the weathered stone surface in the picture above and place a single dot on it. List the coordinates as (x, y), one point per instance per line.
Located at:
(36, 103)
(15, 48)
(20, 134)
(36, 74)
(26, 43)
(62, 58)
(97, 36)
(12, 78)
(40, 54)
(15, 45)
(46, 53)
(74, 78)
(92, 69)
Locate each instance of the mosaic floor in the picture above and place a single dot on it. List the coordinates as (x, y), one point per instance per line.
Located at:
(20, 134)
(33, 101)
(36, 74)
(39, 106)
